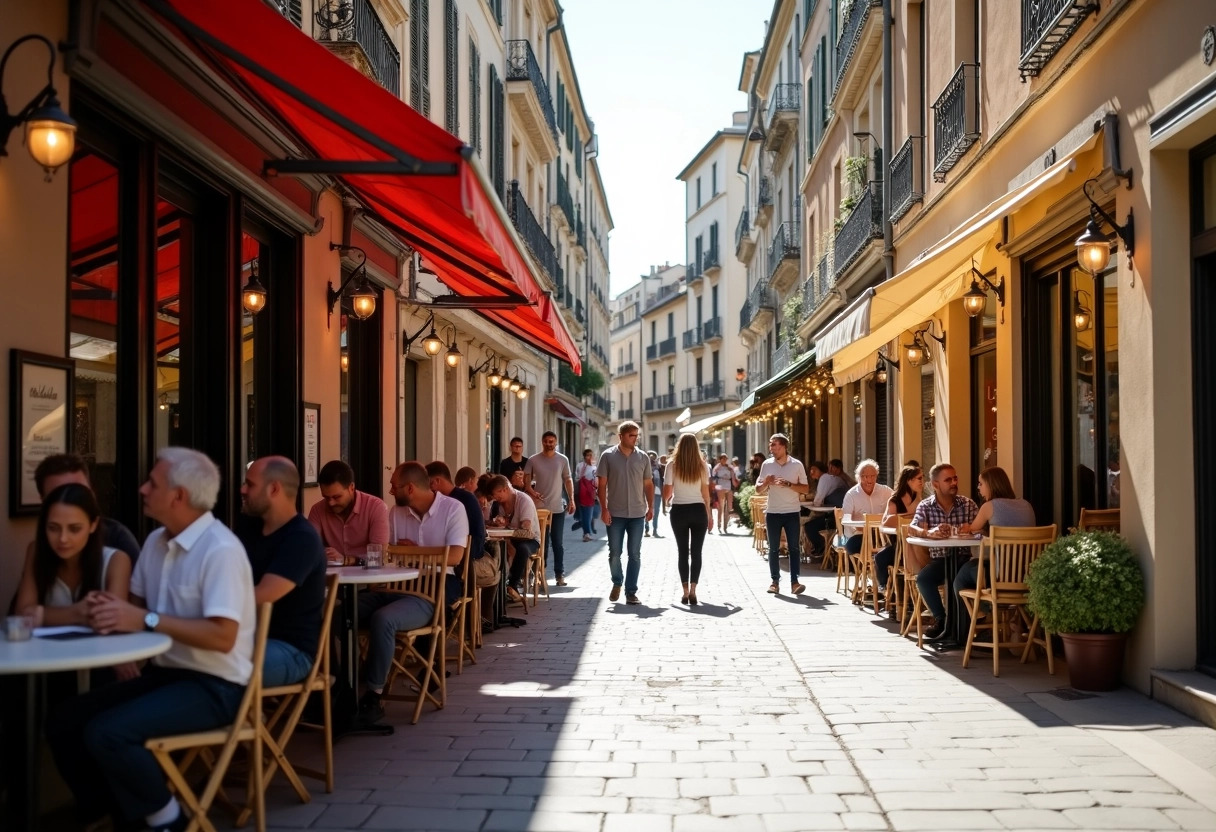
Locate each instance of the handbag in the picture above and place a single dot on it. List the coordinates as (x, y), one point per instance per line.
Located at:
(586, 492)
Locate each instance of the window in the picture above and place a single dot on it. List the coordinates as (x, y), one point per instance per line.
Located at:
(474, 97)
(713, 238)
(420, 57)
(698, 250)
(671, 379)
(451, 62)
(713, 363)
(671, 325)
(713, 179)
(497, 135)
(698, 371)
(496, 8)
(698, 192)
(713, 306)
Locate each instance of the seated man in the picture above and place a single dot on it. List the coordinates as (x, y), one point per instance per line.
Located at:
(193, 583)
(516, 511)
(937, 517)
(346, 519)
(420, 518)
(60, 469)
(483, 564)
(869, 496)
(466, 478)
(827, 487)
(288, 561)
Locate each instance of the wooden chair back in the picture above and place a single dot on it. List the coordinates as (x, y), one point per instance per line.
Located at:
(1099, 520)
(458, 624)
(1006, 555)
(432, 565)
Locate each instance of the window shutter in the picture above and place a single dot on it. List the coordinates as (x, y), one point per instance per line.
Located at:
(294, 9)
(415, 56)
(424, 23)
(451, 60)
(474, 97)
(497, 135)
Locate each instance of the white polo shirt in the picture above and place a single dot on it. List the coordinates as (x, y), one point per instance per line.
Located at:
(858, 502)
(444, 524)
(201, 573)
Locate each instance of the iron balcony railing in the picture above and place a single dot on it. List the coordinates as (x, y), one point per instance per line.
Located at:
(781, 357)
(625, 369)
(745, 315)
(907, 177)
(743, 229)
(667, 401)
(693, 338)
(713, 391)
(693, 273)
(764, 197)
(850, 31)
(522, 66)
(863, 225)
(709, 260)
(567, 384)
(563, 199)
(1046, 26)
(787, 242)
(667, 346)
(787, 98)
(600, 402)
(652, 352)
(625, 413)
(533, 235)
(711, 329)
(580, 233)
(956, 119)
(578, 311)
(663, 293)
(355, 21)
(817, 287)
(762, 297)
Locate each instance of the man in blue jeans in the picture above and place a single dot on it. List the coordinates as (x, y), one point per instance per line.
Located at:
(782, 479)
(625, 487)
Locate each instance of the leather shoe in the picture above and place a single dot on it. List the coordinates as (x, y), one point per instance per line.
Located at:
(936, 629)
(615, 594)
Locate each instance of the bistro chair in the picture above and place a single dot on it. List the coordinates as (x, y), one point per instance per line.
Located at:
(1099, 520)
(458, 624)
(844, 567)
(902, 580)
(759, 529)
(534, 572)
(863, 563)
(247, 727)
(422, 666)
(1000, 585)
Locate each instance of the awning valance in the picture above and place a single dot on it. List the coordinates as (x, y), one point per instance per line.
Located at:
(714, 421)
(851, 324)
(565, 411)
(413, 176)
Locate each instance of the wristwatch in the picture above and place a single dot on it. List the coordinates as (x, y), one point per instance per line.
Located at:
(151, 619)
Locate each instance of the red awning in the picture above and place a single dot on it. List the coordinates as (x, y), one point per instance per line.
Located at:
(418, 179)
(562, 409)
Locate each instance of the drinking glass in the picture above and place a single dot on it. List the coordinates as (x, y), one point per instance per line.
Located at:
(374, 559)
(19, 627)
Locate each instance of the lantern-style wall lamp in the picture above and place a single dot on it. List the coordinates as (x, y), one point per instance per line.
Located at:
(431, 343)
(918, 352)
(976, 298)
(452, 356)
(1082, 315)
(50, 133)
(481, 368)
(253, 296)
(363, 297)
(881, 369)
(1093, 247)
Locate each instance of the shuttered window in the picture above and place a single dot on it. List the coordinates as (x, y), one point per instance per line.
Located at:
(294, 10)
(497, 135)
(420, 57)
(451, 60)
(578, 154)
(882, 433)
(474, 97)
(928, 444)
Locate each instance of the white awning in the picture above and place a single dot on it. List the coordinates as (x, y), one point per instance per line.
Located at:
(851, 324)
(685, 415)
(711, 422)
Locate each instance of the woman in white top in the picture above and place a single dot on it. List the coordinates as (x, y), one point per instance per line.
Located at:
(585, 495)
(686, 488)
(68, 561)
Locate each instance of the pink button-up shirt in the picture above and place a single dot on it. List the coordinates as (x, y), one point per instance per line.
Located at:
(366, 523)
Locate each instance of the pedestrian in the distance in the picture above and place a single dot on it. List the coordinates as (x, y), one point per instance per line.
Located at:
(686, 487)
(656, 476)
(584, 494)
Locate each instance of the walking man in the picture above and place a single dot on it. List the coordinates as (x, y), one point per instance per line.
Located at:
(551, 473)
(625, 485)
(782, 478)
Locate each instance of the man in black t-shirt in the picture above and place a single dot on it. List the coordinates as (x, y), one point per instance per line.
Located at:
(288, 561)
(61, 469)
(516, 461)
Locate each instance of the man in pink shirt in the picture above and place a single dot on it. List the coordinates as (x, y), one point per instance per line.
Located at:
(346, 519)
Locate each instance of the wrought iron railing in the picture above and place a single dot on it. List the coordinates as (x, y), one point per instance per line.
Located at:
(578, 311)
(711, 329)
(703, 393)
(693, 272)
(355, 21)
(817, 287)
(781, 357)
(956, 118)
(522, 66)
(693, 338)
(580, 233)
(625, 369)
(850, 31)
(563, 199)
(666, 401)
(743, 229)
(709, 260)
(600, 402)
(625, 413)
(762, 297)
(667, 346)
(764, 196)
(1046, 26)
(863, 225)
(662, 294)
(532, 233)
(745, 315)
(787, 98)
(907, 177)
(787, 242)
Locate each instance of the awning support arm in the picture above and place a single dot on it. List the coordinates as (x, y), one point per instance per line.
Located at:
(305, 167)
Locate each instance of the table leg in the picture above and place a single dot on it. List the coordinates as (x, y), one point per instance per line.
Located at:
(33, 702)
(957, 620)
(350, 660)
(501, 619)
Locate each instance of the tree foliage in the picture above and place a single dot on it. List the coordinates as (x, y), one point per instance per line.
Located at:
(591, 381)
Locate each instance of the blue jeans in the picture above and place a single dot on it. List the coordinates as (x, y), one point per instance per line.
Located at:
(557, 528)
(617, 529)
(98, 739)
(384, 614)
(928, 579)
(285, 664)
(791, 523)
(656, 508)
(586, 518)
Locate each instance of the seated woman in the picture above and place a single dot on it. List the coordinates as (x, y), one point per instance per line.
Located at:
(517, 512)
(1001, 507)
(909, 491)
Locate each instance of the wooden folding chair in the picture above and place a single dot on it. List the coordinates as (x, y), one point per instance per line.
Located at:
(289, 702)
(1000, 584)
(420, 667)
(871, 541)
(246, 727)
(458, 626)
(844, 568)
(759, 529)
(1099, 520)
(534, 572)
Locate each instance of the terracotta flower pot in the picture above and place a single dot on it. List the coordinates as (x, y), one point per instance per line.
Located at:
(1095, 660)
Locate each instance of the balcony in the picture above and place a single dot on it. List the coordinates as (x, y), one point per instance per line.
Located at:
(762, 302)
(667, 401)
(579, 315)
(692, 273)
(907, 177)
(565, 205)
(600, 402)
(667, 347)
(529, 95)
(785, 256)
(580, 233)
(863, 226)
(710, 263)
(764, 202)
(352, 30)
(818, 288)
(626, 369)
(956, 119)
(745, 244)
(860, 37)
(711, 330)
(782, 357)
(783, 110)
(694, 339)
(663, 293)
(712, 392)
(533, 235)
(1046, 26)
(625, 413)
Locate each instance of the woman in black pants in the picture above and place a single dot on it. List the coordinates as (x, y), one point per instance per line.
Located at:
(686, 488)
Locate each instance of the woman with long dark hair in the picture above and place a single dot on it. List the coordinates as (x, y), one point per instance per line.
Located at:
(68, 560)
(686, 488)
(909, 491)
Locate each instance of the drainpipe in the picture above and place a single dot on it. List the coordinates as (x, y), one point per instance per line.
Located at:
(888, 113)
(550, 177)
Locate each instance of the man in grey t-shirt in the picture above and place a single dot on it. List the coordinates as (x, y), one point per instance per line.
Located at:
(551, 473)
(625, 485)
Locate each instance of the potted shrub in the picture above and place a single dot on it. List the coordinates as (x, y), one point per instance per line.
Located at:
(1088, 588)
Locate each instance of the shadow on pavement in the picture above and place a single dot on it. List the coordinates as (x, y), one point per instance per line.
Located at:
(711, 610)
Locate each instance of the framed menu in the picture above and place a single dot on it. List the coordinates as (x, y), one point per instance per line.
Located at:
(41, 406)
(310, 458)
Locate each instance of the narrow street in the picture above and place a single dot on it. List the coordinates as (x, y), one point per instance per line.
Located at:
(754, 712)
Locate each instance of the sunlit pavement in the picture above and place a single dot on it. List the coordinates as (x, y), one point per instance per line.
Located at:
(754, 712)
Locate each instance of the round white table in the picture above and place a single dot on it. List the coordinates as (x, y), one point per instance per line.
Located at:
(953, 635)
(39, 656)
(853, 524)
(814, 509)
(383, 575)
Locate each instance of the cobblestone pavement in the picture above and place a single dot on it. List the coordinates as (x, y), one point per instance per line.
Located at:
(754, 712)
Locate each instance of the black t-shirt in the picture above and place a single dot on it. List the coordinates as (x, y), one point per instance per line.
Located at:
(293, 551)
(477, 520)
(117, 536)
(508, 466)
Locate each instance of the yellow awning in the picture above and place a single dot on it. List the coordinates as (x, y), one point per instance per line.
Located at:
(711, 422)
(936, 278)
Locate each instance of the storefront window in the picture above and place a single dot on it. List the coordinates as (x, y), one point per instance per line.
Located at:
(983, 391)
(253, 256)
(174, 259)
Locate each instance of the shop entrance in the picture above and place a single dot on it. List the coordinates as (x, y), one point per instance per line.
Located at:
(1203, 347)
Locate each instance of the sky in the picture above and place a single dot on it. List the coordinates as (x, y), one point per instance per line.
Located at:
(658, 78)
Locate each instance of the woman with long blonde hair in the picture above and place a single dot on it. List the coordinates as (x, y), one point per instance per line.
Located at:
(686, 488)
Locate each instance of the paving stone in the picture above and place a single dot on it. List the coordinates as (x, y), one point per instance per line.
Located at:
(1124, 818)
(344, 815)
(942, 820)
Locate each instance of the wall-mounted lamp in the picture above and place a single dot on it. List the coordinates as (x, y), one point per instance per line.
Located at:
(514, 385)
(976, 298)
(162, 402)
(740, 374)
(253, 296)
(480, 368)
(918, 352)
(1093, 247)
(345, 361)
(363, 298)
(864, 135)
(50, 133)
(407, 340)
(452, 356)
(1082, 315)
(880, 370)
(495, 376)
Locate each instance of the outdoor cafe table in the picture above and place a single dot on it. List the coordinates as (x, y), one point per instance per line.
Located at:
(954, 635)
(41, 655)
(497, 538)
(350, 578)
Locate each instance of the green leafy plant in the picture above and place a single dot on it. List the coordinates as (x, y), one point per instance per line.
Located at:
(589, 382)
(744, 496)
(1087, 582)
(791, 314)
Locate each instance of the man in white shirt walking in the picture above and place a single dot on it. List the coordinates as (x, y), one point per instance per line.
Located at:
(783, 479)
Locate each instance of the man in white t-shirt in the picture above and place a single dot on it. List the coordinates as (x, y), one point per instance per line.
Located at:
(869, 496)
(192, 582)
(783, 479)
